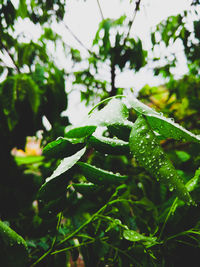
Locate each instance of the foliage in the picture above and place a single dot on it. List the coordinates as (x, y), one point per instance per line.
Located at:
(127, 218)
(114, 50)
(121, 188)
(32, 87)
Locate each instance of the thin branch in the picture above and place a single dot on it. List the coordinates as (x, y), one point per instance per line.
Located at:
(137, 8)
(80, 42)
(76, 38)
(11, 57)
(100, 9)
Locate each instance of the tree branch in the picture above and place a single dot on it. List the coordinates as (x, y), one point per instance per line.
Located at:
(113, 88)
(80, 42)
(10, 56)
(137, 8)
(100, 9)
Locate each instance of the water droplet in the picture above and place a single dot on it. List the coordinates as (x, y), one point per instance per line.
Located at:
(148, 136)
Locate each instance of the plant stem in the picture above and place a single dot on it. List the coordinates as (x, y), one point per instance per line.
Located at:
(113, 75)
(80, 42)
(137, 8)
(76, 231)
(173, 206)
(10, 56)
(53, 242)
(100, 9)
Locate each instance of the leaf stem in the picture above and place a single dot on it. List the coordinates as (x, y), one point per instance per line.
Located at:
(53, 242)
(172, 209)
(103, 101)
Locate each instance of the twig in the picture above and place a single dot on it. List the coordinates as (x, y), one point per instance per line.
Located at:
(53, 242)
(137, 8)
(80, 42)
(10, 56)
(76, 38)
(100, 9)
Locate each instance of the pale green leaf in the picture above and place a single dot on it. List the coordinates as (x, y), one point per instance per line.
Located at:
(66, 164)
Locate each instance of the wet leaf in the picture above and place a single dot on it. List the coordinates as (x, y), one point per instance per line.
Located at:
(150, 155)
(134, 236)
(60, 148)
(66, 164)
(100, 176)
(164, 126)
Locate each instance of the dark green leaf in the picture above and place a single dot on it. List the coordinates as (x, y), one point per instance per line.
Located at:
(86, 188)
(80, 132)
(147, 150)
(14, 250)
(99, 176)
(61, 148)
(109, 145)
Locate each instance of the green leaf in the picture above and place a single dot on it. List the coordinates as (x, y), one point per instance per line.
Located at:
(121, 131)
(66, 164)
(150, 155)
(22, 9)
(194, 182)
(26, 86)
(8, 95)
(21, 160)
(14, 250)
(134, 236)
(55, 188)
(75, 54)
(99, 176)
(114, 112)
(86, 188)
(80, 132)
(61, 148)
(109, 145)
(164, 126)
(183, 156)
